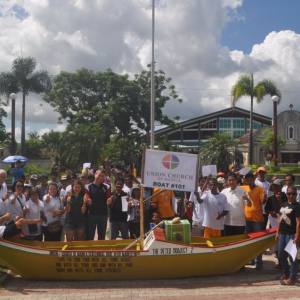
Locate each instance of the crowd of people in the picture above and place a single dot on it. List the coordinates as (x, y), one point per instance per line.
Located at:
(71, 207)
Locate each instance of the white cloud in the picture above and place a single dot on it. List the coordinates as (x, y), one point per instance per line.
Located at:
(116, 34)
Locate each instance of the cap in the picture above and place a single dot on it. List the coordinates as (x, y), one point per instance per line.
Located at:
(65, 177)
(261, 169)
(221, 174)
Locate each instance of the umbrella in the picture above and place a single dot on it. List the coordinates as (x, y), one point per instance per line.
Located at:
(14, 158)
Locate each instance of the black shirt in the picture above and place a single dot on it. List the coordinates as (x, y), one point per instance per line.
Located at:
(289, 212)
(273, 204)
(75, 217)
(98, 194)
(116, 213)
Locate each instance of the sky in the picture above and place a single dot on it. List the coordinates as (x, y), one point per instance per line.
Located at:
(204, 45)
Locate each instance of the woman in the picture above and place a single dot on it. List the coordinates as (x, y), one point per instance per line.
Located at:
(15, 204)
(134, 213)
(75, 208)
(35, 208)
(289, 229)
(53, 211)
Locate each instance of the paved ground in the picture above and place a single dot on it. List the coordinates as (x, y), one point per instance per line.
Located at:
(247, 284)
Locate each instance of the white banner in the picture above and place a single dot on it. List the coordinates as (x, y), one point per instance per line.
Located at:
(170, 170)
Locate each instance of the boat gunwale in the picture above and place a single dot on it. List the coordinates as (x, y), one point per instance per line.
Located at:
(37, 248)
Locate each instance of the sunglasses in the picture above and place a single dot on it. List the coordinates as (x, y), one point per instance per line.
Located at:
(291, 194)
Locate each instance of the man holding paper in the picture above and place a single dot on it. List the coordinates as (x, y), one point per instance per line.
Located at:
(118, 204)
(289, 229)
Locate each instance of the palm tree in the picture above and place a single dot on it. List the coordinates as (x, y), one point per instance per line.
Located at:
(245, 87)
(28, 80)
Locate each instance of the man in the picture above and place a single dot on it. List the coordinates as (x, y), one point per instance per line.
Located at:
(43, 186)
(17, 172)
(3, 186)
(198, 209)
(215, 208)
(254, 211)
(98, 192)
(163, 202)
(128, 185)
(289, 229)
(118, 217)
(263, 183)
(237, 200)
(290, 181)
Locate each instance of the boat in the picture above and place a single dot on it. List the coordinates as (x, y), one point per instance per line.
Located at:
(124, 259)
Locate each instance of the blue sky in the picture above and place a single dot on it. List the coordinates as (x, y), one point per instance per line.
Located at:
(256, 18)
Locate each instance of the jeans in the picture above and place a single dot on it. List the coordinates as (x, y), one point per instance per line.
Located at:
(254, 227)
(115, 227)
(99, 221)
(288, 270)
(233, 230)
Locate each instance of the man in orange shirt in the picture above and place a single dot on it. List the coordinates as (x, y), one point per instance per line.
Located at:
(254, 212)
(162, 202)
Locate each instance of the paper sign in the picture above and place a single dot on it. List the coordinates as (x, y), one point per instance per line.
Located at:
(273, 222)
(86, 165)
(175, 171)
(244, 171)
(124, 203)
(291, 249)
(209, 170)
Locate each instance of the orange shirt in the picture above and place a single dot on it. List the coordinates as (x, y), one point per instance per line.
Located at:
(164, 203)
(254, 212)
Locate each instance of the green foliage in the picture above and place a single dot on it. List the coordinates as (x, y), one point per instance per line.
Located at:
(34, 146)
(218, 150)
(107, 113)
(245, 87)
(266, 138)
(31, 168)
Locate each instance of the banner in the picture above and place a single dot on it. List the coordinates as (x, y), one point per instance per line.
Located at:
(170, 170)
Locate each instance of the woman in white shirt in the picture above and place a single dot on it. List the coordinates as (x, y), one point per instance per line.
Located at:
(35, 208)
(53, 210)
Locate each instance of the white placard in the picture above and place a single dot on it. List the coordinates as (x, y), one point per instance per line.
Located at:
(124, 203)
(244, 171)
(170, 170)
(291, 249)
(209, 170)
(86, 165)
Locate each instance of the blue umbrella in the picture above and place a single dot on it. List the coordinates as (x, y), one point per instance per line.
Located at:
(14, 158)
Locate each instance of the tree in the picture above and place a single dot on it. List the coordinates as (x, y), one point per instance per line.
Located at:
(245, 87)
(34, 146)
(218, 150)
(28, 80)
(110, 101)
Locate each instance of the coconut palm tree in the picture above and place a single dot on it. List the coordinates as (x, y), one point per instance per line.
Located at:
(28, 81)
(245, 87)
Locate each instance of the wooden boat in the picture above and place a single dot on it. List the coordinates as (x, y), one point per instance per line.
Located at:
(111, 260)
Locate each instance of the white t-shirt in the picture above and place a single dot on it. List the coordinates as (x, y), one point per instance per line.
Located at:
(3, 190)
(15, 206)
(213, 205)
(236, 214)
(49, 207)
(198, 210)
(127, 190)
(2, 228)
(33, 213)
(264, 184)
(2, 208)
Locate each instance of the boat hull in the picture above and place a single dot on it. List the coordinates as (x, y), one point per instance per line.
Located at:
(162, 259)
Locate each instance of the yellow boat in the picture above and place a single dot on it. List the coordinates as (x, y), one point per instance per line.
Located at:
(115, 260)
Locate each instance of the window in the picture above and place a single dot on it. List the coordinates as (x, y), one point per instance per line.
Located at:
(291, 132)
(225, 123)
(238, 123)
(238, 133)
(210, 124)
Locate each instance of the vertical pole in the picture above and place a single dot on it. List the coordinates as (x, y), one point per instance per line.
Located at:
(142, 229)
(152, 115)
(275, 150)
(13, 126)
(251, 125)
